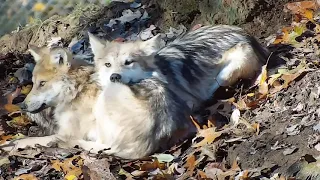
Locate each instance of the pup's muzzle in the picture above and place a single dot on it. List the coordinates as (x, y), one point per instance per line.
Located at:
(115, 77)
(23, 106)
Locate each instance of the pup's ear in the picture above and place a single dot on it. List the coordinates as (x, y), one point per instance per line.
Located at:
(96, 43)
(35, 52)
(152, 45)
(60, 56)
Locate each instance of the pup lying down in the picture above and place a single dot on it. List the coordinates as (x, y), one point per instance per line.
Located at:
(194, 65)
(129, 121)
(139, 96)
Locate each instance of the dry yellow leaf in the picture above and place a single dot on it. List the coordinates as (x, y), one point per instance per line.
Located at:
(70, 167)
(26, 89)
(209, 136)
(20, 120)
(70, 177)
(250, 94)
(39, 7)
(256, 127)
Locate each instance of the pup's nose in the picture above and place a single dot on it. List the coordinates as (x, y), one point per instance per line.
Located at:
(115, 77)
(23, 106)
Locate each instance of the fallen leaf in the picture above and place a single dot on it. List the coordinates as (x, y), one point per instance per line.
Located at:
(70, 167)
(289, 150)
(11, 108)
(164, 157)
(125, 173)
(300, 7)
(293, 130)
(26, 89)
(4, 138)
(71, 177)
(209, 136)
(235, 117)
(20, 121)
(256, 127)
(4, 160)
(235, 165)
(202, 174)
(26, 177)
(191, 163)
(152, 166)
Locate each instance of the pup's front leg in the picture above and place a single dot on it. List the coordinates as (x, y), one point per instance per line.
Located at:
(29, 141)
(91, 146)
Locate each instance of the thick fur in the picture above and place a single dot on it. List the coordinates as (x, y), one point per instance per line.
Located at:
(143, 115)
(140, 118)
(195, 65)
(45, 120)
(129, 121)
(57, 83)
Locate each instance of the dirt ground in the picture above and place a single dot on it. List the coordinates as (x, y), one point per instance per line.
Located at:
(287, 119)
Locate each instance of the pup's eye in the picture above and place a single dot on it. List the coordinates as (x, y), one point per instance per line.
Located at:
(42, 83)
(107, 64)
(128, 62)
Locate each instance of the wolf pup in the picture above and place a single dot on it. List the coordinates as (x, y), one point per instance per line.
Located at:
(195, 65)
(58, 83)
(144, 116)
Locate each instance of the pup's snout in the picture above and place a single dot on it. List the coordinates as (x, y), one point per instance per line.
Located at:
(23, 106)
(115, 77)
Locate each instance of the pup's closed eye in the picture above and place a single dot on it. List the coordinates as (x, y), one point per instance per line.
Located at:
(42, 83)
(107, 64)
(128, 62)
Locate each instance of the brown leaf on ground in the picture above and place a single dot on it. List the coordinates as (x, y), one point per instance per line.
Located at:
(191, 163)
(152, 166)
(26, 177)
(11, 108)
(97, 168)
(20, 121)
(209, 135)
(4, 138)
(70, 167)
(300, 7)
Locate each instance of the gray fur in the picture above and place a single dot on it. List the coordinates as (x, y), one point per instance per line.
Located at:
(167, 109)
(45, 121)
(194, 65)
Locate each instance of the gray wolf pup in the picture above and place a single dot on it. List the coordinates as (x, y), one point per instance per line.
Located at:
(145, 115)
(195, 65)
(60, 83)
(120, 120)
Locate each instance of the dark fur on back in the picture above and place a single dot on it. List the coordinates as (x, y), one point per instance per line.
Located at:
(192, 62)
(167, 109)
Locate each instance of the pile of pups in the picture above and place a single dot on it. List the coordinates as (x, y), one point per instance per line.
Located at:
(138, 96)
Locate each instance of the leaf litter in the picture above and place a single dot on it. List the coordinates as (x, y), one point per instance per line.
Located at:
(200, 157)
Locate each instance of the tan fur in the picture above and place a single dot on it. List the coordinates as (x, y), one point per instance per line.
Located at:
(70, 90)
(113, 120)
